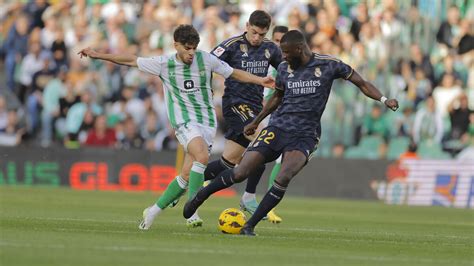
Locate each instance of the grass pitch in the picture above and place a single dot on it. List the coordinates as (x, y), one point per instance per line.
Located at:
(59, 226)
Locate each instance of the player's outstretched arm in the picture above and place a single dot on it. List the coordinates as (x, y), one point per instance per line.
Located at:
(121, 59)
(247, 77)
(371, 91)
(271, 106)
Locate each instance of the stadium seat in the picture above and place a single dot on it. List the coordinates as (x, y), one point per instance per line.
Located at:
(432, 150)
(397, 146)
(372, 142)
(354, 153)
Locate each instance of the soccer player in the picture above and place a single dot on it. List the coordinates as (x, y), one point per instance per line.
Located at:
(186, 76)
(277, 33)
(253, 53)
(303, 85)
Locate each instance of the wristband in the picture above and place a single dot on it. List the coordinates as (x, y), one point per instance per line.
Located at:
(383, 99)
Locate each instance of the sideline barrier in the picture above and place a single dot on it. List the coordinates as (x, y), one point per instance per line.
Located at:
(415, 182)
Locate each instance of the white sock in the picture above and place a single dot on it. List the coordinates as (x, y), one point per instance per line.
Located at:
(152, 212)
(194, 217)
(246, 197)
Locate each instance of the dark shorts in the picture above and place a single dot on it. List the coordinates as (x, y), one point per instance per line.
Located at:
(271, 142)
(237, 116)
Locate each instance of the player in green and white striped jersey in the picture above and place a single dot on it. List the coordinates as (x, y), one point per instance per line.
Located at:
(186, 77)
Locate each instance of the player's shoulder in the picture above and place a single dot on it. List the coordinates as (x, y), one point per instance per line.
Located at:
(283, 66)
(231, 41)
(205, 56)
(325, 57)
(160, 59)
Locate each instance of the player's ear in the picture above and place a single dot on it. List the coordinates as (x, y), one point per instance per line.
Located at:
(299, 48)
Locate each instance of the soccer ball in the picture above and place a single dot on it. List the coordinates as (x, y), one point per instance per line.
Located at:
(230, 221)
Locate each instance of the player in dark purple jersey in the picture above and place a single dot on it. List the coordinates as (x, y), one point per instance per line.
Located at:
(303, 85)
(254, 53)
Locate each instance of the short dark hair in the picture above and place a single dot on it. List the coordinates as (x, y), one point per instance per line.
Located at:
(260, 19)
(280, 29)
(186, 34)
(293, 37)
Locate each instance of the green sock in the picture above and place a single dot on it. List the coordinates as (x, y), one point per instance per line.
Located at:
(174, 190)
(196, 178)
(273, 175)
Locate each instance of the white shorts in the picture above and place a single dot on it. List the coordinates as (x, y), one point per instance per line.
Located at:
(186, 132)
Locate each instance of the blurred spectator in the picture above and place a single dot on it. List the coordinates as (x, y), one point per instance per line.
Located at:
(15, 47)
(375, 123)
(449, 29)
(410, 154)
(459, 113)
(150, 129)
(59, 50)
(76, 116)
(428, 123)
(419, 88)
(114, 7)
(450, 66)
(338, 150)
(404, 123)
(51, 105)
(31, 64)
(445, 93)
(131, 139)
(101, 135)
(34, 10)
(361, 17)
(146, 23)
(419, 60)
(13, 132)
(465, 40)
(69, 99)
(3, 113)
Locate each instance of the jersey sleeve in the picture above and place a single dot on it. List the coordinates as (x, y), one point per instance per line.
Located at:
(342, 70)
(151, 65)
(220, 67)
(276, 58)
(280, 76)
(221, 52)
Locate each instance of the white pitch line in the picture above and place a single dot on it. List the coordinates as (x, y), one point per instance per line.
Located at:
(295, 229)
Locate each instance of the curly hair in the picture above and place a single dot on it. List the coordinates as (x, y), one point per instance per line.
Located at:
(186, 34)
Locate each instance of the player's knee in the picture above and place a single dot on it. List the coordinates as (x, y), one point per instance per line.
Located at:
(202, 158)
(285, 177)
(240, 174)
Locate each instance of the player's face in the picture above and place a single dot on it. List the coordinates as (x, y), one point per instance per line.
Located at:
(277, 37)
(292, 53)
(185, 52)
(255, 35)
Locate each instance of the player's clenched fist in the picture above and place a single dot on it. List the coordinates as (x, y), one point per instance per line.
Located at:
(392, 104)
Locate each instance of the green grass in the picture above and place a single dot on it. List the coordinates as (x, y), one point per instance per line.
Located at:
(58, 226)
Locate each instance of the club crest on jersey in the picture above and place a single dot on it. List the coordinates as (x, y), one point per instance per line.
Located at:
(244, 49)
(188, 84)
(267, 54)
(290, 72)
(317, 72)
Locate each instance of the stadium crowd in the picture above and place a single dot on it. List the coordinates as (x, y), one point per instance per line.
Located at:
(420, 52)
